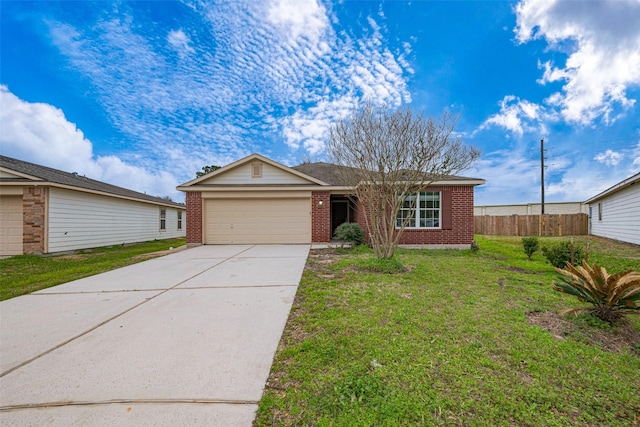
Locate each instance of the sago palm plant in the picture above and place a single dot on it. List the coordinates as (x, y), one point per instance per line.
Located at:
(612, 295)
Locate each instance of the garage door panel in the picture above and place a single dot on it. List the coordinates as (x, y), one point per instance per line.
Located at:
(242, 221)
(10, 225)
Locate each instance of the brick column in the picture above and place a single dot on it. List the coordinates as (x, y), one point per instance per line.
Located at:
(34, 211)
(320, 216)
(194, 217)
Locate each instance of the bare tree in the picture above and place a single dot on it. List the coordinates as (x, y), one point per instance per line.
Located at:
(389, 156)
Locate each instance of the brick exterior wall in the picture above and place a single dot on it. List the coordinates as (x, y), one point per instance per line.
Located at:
(461, 232)
(194, 217)
(34, 201)
(320, 216)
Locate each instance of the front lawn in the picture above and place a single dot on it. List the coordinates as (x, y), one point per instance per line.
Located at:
(460, 338)
(23, 274)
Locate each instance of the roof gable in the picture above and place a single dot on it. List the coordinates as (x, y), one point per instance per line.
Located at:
(254, 170)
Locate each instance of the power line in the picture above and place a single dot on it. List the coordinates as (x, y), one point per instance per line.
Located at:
(637, 138)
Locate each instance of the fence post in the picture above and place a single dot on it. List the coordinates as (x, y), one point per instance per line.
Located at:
(540, 225)
(559, 224)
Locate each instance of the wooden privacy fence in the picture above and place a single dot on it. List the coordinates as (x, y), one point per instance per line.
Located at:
(532, 225)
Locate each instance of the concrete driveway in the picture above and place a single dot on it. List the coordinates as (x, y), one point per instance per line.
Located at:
(185, 339)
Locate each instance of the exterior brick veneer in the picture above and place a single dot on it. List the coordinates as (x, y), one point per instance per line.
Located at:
(320, 216)
(34, 201)
(461, 232)
(194, 217)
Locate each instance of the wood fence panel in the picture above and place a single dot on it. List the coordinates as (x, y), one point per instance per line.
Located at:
(532, 225)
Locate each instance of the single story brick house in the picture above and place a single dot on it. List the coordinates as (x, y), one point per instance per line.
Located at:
(256, 200)
(45, 210)
(615, 213)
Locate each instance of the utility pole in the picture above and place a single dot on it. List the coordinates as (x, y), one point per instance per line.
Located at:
(542, 173)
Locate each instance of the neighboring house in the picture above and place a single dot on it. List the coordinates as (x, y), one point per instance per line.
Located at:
(44, 210)
(615, 213)
(257, 200)
(532, 209)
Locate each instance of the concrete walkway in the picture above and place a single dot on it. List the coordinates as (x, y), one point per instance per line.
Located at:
(186, 339)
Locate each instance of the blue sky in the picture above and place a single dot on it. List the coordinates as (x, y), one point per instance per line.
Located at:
(143, 94)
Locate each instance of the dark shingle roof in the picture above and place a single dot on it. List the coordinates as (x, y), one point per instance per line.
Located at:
(56, 176)
(330, 173)
(325, 172)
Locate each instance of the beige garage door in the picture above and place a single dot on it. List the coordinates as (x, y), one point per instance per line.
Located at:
(241, 221)
(10, 225)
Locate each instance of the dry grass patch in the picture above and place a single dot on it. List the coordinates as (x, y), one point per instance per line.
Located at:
(621, 338)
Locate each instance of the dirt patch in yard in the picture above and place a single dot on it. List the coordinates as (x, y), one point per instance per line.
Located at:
(621, 338)
(319, 261)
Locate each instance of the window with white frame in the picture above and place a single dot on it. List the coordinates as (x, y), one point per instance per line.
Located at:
(163, 219)
(179, 220)
(420, 210)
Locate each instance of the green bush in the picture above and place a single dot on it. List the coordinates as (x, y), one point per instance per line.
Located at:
(559, 254)
(611, 295)
(531, 245)
(350, 232)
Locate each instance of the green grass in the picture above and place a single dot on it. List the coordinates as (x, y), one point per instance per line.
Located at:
(23, 274)
(446, 342)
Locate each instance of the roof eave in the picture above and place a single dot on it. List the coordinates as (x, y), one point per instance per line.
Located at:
(326, 187)
(619, 186)
(43, 183)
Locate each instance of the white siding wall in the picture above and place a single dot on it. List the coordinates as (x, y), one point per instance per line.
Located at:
(620, 216)
(80, 220)
(242, 175)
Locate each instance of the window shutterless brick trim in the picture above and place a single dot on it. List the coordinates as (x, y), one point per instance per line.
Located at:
(194, 217)
(34, 203)
(457, 220)
(320, 216)
(458, 232)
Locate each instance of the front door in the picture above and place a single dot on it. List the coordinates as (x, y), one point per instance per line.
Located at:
(339, 213)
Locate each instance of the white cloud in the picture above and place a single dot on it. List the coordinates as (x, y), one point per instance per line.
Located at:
(278, 70)
(519, 116)
(310, 127)
(366, 70)
(602, 40)
(635, 155)
(299, 19)
(513, 177)
(576, 185)
(609, 158)
(180, 42)
(41, 134)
